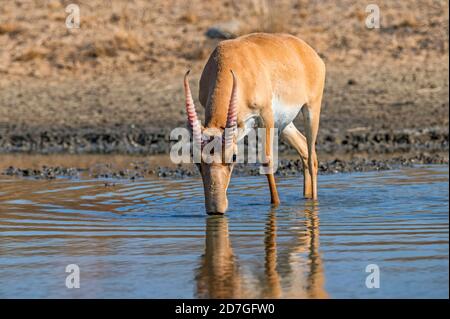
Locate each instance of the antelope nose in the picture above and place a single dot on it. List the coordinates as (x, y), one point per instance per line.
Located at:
(215, 213)
(218, 208)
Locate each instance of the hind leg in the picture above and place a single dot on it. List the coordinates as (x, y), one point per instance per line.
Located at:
(298, 141)
(311, 116)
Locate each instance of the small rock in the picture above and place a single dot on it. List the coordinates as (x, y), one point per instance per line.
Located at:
(226, 30)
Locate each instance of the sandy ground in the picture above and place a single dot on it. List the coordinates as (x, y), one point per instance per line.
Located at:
(114, 85)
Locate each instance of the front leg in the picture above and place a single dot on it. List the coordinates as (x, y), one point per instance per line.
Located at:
(269, 126)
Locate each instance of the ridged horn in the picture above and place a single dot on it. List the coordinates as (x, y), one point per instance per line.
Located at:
(230, 128)
(191, 113)
(232, 108)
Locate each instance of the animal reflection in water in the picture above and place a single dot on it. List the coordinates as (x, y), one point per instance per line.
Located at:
(295, 272)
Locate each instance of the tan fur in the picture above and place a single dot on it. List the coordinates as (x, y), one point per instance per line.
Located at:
(266, 66)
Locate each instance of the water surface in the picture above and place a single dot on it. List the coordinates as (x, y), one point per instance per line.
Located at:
(151, 238)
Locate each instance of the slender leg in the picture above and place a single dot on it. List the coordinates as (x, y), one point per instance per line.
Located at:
(311, 115)
(298, 141)
(274, 199)
(269, 124)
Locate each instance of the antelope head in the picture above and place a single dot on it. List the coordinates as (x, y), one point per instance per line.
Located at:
(217, 147)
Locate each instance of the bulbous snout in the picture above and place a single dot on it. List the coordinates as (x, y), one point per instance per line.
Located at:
(215, 182)
(216, 204)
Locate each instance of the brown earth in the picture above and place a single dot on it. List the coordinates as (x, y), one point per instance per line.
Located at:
(114, 85)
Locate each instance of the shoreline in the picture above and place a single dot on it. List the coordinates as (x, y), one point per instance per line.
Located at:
(152, 141)
(131, 153)
(142, 168)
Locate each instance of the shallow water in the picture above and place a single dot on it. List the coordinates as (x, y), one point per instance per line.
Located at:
(151, 238)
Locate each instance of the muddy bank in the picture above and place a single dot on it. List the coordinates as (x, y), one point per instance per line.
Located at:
(157, 141)
(285, 168)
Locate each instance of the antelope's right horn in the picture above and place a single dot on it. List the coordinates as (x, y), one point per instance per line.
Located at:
(191, 113)
(232, 108)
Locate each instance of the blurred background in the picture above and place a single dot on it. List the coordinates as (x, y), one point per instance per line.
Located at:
(115, 84)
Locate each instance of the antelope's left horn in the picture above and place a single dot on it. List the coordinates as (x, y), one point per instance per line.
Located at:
(232, 108)
(230, 128)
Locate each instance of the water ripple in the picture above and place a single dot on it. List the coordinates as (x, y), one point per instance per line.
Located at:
(151, 238)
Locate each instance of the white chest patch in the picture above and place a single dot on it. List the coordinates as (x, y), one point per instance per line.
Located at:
(283, 113)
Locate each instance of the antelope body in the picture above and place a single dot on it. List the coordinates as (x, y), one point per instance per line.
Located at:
(269, 77)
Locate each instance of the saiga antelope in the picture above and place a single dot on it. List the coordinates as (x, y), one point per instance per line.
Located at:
(270, 76)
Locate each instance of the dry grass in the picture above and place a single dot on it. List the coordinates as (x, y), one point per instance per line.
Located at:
(196, 51)
(133, 35)
(54, 4)
(273, 16)
(408, 22)
(10, 28)
(189, 17)
(128, 41)
(97, 49)
(121, 40)
(32, 53)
